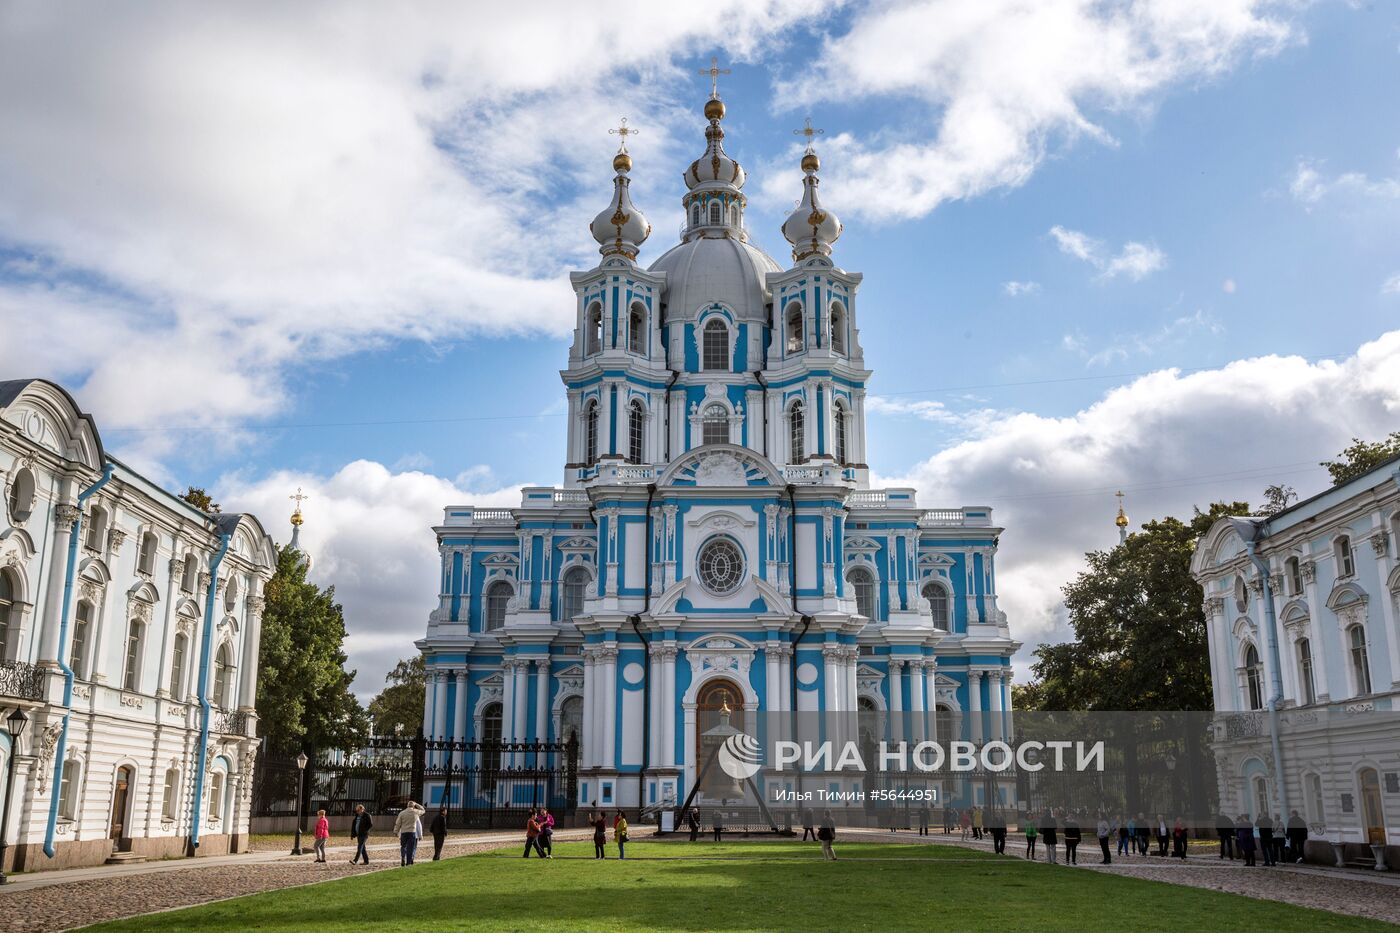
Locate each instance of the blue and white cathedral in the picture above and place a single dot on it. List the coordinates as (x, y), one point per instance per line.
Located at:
(715, 542)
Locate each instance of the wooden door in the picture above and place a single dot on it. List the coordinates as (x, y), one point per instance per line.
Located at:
(121, 803)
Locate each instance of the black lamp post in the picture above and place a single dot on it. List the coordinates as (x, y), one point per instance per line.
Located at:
(301, 797)
(14, 724)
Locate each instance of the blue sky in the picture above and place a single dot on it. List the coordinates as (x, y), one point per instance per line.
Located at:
(326, 247)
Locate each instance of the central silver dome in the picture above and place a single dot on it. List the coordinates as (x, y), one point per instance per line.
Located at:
(705, 269)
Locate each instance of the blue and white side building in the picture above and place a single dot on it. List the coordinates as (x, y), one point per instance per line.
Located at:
(715, 540)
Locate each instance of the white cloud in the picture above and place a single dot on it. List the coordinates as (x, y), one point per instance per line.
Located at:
(1170, 441)
(1391, 286)
(1135, 260)
(1310, 186)
(1015, 289)
(1003, 81)
(1228, 286)
(223, 192)
(1173, 333)
(369, 532)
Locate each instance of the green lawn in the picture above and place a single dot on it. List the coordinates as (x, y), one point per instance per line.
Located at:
(744, 886)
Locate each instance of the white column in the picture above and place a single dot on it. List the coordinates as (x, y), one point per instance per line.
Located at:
(1392, 632)
(428, 688)
(252, 639)
(609, 684)
(1217, 663)
(1322, 645)
(931, 698)
(916, 700)
(541, 699)
(508, 700)
(459, 725)
(522, 701)
(974, 704)
(668, 706)
(898, 732)
(834, 683)
(994, 724)
(64, 517)
(440, 705)
(852, 689)
(655, 686)
(1008, 726)
(590, 690)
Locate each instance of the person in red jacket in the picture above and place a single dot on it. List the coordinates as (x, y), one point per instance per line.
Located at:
(532, 835)
(321, 834)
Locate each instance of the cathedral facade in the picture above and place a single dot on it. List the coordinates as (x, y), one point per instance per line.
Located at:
(715, 543)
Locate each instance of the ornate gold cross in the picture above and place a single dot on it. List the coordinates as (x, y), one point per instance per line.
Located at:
(624, 131)
(714, 71)
(809, 131)
(299, 497)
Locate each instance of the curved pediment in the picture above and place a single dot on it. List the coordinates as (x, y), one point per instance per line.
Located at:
(721, 465)
(48, 417)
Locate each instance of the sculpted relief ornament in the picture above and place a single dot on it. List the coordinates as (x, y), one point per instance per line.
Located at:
(720, 469)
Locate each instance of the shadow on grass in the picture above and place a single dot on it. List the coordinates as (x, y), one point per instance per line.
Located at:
(490, 892)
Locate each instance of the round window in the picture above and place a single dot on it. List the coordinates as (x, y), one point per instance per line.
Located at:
(721, 566)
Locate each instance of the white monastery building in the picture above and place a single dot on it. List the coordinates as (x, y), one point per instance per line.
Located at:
(715, 542)
(129, 625)
(1303, 614)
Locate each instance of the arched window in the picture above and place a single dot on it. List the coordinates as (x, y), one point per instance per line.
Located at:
(491, 737)
(937, 598)
(9, 613)
(1241, 595)
(1254, 688)
(190, 578)
(838, 417)
(714, 212)
(1360, 660)
(571, 720)
(590, 433)
(794, 328)
(231, 594)
(1346, 565)
(96, 535)
(943, 721)
(223, 677)
(714, 425)
(1307, 694)
(177, 666)
(637, 329)
(21, 499)
(1261, 795)
(131, 668)
(68, 786)
(593, 337)
(636, 423)
(146, 557)
(1294, 572)
(838, 329)
(82, 633)
(497, 595)
(716, 346)
(571, 599)
(169, 796)
(797, 434)
(216, 795)
(695, 214)
(864, 585)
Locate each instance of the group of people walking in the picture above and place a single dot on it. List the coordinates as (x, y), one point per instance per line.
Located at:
(1274, 840)
(408, 826)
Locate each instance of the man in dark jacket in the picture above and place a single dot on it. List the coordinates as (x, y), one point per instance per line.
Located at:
(439, 831)
(1266, 837)
(1072, 837)
(1225, 828)
(809, 824)
(1297, 836)
(359, 831)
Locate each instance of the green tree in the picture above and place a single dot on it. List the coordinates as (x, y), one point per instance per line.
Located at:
(1139, 630)
(1277, 498)
(1362, 456)
(197, 497)
(400, 703)
(304, 696)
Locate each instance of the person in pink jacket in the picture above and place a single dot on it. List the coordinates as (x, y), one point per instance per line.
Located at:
(322, 833)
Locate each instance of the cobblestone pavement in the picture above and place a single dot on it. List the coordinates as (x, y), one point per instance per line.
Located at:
(92, 900)
(1365, 894)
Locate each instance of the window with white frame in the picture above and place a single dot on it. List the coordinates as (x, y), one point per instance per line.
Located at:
(20, 503)
(637, 329)
(590, 433)
(797, 434)
(189, 579)
(838, 418)
(223, 677)
(571, 600)
(593, 329)
(216, 795)
(82, 633)
(838, 328)
(131, 668)
(714, 425)
(498, 595)
(96, 536)
(1253, 683)
(9, 612)
(794, 328)
(69, 785)
(1307, 693)
(695, 214)
(146, 556)
(636, 432)
(863, 583)
(937, 598)
(178, 660)
(1294, 572)
(1360, 659)
(715, 347)
(1261, 796)
(168, 797)
(1346, 561)
(714, 212)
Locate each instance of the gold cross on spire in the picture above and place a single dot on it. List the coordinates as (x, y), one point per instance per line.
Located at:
(623, 131)
(809, 131)
(714, 71)
(299, 498)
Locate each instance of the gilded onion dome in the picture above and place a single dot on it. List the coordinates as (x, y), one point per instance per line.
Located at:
(620, 228)
(714, 167)
(811, 229)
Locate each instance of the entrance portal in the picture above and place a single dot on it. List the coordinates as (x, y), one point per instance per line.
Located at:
(121, 805)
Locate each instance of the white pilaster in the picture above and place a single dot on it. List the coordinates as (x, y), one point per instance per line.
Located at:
(541, 699)
(609, 684)
(974, 704)
(669, 705)
(931, 698)
(994, 723)
(589, 739)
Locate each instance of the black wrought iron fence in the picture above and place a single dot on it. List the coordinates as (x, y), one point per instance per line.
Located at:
(21, 680)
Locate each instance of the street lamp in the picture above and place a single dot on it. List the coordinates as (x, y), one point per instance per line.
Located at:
(14, 724)
(301, 795)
